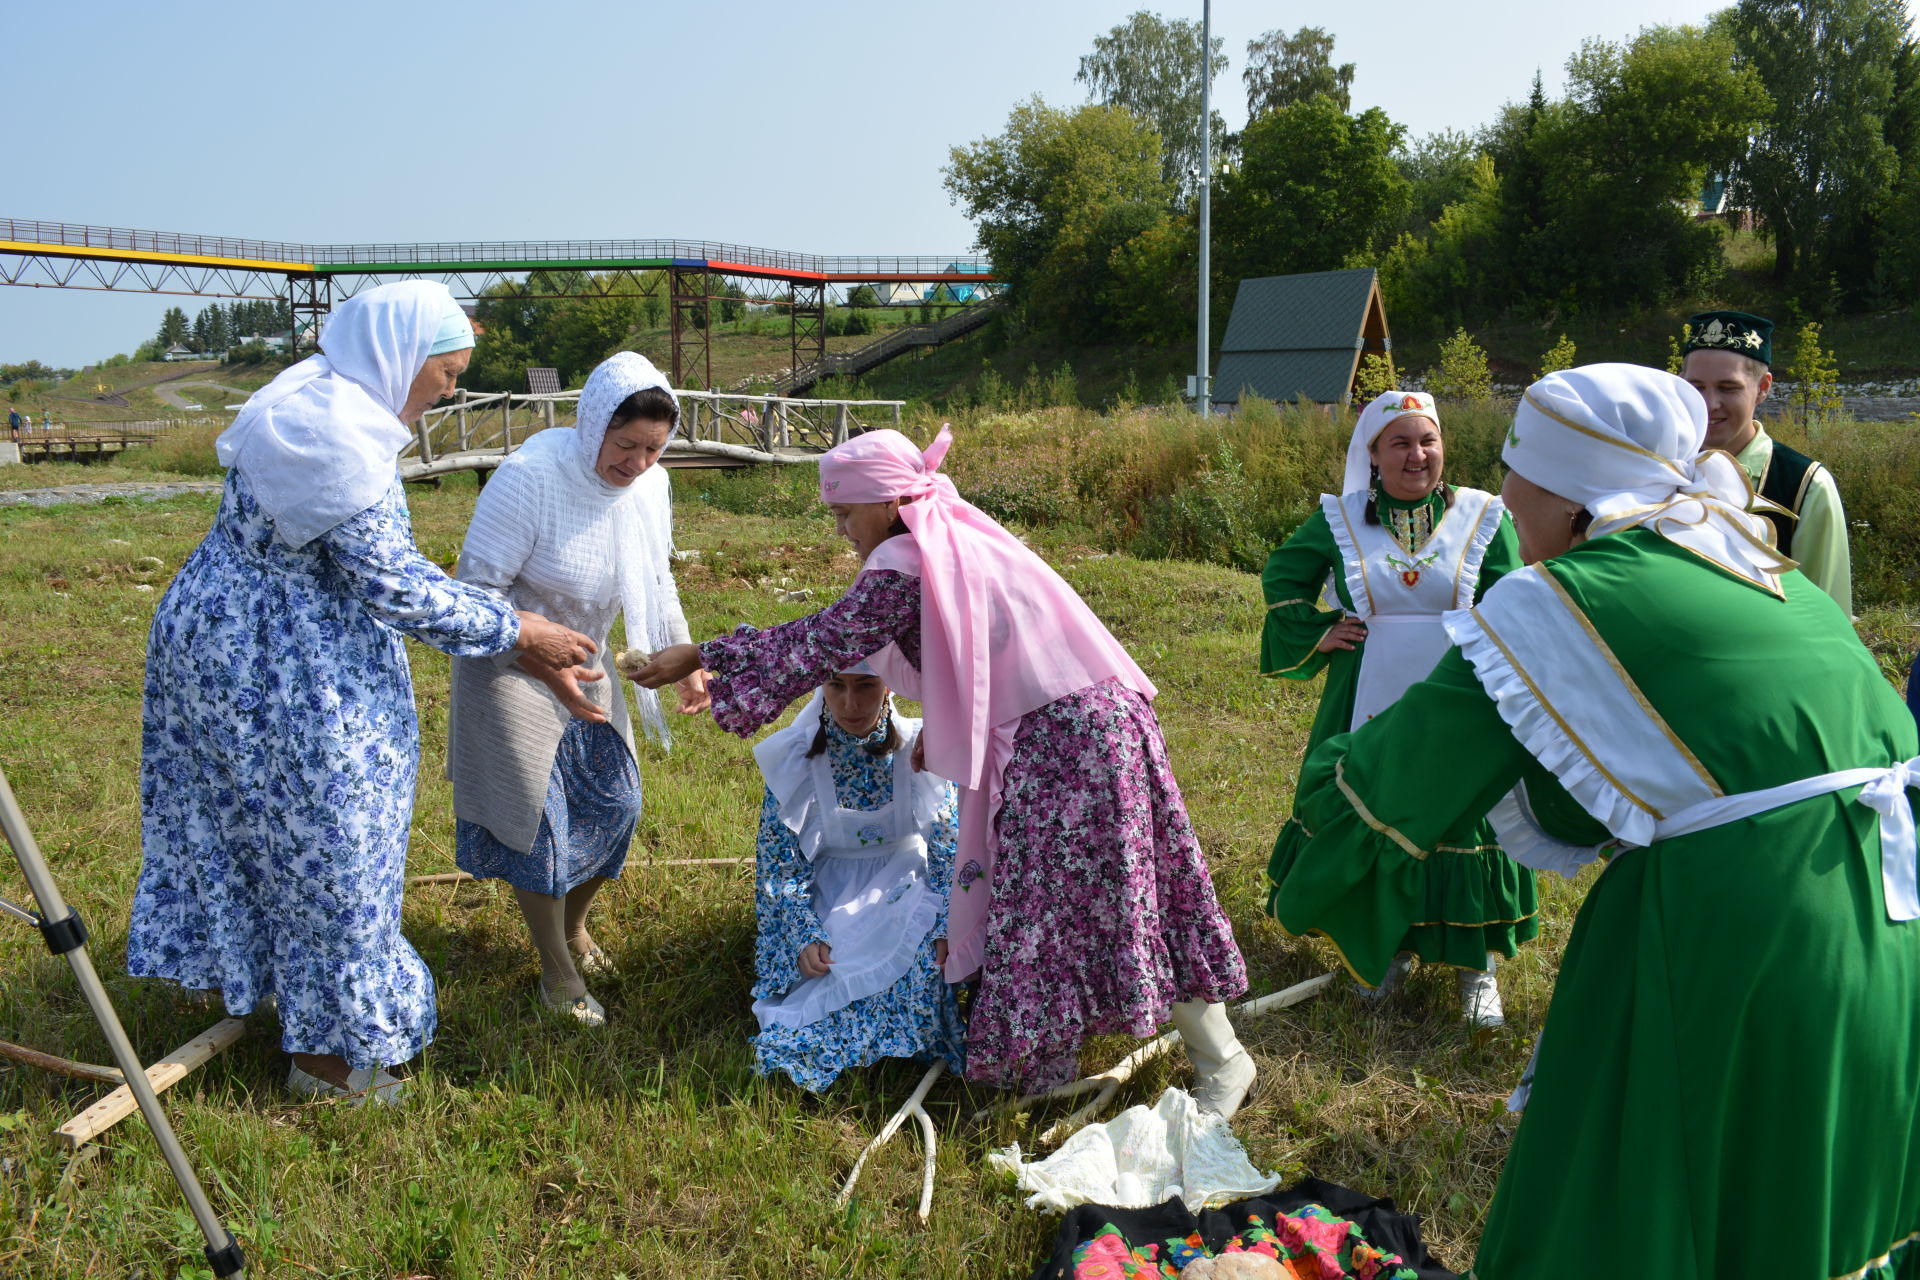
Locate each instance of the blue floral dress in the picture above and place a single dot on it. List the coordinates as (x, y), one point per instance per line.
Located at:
(278, 756)
(918, 1016)
(586, 824)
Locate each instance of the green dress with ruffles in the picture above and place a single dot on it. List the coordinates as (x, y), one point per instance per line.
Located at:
(1726, 1082)
(1474, 899)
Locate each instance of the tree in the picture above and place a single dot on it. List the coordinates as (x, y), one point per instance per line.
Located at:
(862, 296)
(1284, 69)
(218, 337)
(1821, 163)
(173, 328)
(1151, 67)
(1040, 195)
(1440, 169)
(1316, 189)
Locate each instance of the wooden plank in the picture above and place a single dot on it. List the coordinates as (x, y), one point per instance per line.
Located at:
(162, 1075)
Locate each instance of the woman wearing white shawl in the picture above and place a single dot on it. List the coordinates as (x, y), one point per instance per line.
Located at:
(1726, 1079)
(852, 863)
(279, 747)
(1358, 591)
(546, 787)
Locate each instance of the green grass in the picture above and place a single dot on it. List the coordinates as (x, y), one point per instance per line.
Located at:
(532, 1149)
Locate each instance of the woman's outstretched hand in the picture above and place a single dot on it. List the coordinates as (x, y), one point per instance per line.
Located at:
(694, 697)
(551, 643)
(671, 665)
(565, 683)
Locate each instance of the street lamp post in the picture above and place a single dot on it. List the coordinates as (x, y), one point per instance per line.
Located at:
(1202, 383)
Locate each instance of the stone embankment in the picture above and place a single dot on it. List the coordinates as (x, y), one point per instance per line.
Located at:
(68, 493)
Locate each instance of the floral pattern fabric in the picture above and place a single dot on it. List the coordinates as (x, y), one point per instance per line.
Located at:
(918, 1016)
(586, 825)
(1103, 913)
(278, 757)
(1313, 1243)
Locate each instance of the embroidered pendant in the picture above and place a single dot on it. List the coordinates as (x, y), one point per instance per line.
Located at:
(1410, 570)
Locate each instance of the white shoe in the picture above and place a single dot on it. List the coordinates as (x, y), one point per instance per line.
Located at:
(364, 1084)
(1480, 997)
(1396, 974)
(583, 1009)
(1223, 1071)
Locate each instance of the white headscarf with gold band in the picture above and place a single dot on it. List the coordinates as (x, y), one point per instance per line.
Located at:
(1380, 413)
(1624, 442)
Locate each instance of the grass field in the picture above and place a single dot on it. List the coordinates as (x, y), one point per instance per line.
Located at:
(650, 1148)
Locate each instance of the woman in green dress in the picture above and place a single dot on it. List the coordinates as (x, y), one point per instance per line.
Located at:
(1397, 547)
(1726, 1082)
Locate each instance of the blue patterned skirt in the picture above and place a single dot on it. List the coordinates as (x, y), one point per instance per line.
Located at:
(592, 807)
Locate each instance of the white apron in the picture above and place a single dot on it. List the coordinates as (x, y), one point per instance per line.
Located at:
(871, 890)
(1401, 594)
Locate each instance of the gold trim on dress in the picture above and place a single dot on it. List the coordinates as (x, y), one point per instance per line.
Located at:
(1606, 651)
(1882, 1260)
(1541, 699)
(1281, 604)
(1467, 550)
(1366, 815)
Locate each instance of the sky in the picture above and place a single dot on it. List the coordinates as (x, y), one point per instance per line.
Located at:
(819, 128)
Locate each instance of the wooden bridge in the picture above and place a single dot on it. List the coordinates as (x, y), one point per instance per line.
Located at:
(717, 429)
(62, 445)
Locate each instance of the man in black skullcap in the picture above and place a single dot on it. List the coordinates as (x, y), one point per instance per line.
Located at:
(1729, 359)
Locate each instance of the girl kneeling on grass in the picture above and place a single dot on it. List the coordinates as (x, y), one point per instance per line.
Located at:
(1081, 898)
(853, 859)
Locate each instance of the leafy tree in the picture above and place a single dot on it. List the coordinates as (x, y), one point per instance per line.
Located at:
(1440, 169)
(1821, 163)
(863, 296)
(1560, 355)
(1284, 69)
(1375, 379)
(1055, 194)
(1153, 284)
(1816, 378)
(1316, 189)
(1151, 67)
(1462, 373)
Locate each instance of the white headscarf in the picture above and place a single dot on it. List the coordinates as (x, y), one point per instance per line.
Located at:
(1624, 442)
(318, 443)
(1379, 414)
(642, 511)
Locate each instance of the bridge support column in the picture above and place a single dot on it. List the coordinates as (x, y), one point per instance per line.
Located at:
(807, 324)
(309, 301)
(691, 298)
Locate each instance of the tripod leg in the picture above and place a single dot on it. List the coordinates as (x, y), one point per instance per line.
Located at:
(66, 936)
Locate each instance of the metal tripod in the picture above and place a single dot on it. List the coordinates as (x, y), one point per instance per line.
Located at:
(66, 936)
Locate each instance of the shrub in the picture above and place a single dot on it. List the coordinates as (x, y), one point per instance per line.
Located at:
(1462, 373)
(1559, 356)
(1376, 377)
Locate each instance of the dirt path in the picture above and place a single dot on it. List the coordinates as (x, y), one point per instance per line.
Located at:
(171, 394)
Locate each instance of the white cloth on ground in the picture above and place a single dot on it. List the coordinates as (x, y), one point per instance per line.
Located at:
(318, 443)
(1140, 1158)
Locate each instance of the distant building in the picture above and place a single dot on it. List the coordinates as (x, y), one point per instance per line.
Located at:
(947, 292)
(179, 352)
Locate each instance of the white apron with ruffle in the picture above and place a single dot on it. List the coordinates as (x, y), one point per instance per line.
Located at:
(872, 893)
(1401, 594)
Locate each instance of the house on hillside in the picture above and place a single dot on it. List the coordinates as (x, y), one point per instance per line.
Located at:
(1290, 337)
(178, 352)
(901, 293)
(948, 292)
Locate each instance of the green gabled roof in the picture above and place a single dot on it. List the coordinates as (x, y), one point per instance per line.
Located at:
(1296, 335)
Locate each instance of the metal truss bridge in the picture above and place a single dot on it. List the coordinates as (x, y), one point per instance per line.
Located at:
(693, 275)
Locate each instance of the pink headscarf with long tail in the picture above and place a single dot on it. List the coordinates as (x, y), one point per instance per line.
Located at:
(1001, 634)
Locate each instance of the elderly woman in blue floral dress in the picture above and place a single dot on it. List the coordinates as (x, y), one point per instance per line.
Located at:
(278, 745)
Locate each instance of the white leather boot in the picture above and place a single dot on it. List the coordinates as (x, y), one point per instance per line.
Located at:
(1222, 1070)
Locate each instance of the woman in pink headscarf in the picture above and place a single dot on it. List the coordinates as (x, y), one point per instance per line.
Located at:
(1081, 899)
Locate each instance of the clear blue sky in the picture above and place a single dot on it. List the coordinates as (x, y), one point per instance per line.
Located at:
(814, 127)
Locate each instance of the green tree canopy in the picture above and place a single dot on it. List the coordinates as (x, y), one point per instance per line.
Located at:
(1284, 69)
(1821, 163)
(1040, 193)
(1316, 189)
(1151, 67)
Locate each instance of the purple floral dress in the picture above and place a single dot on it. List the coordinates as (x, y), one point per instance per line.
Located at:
(1103, 914)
